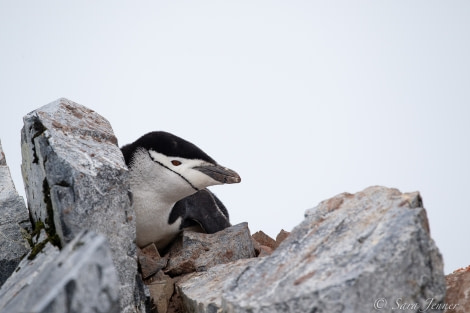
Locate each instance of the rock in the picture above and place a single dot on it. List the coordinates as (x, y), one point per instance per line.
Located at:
(458, 291)
(80, 278)
(339, 257)
(14, 223)
(344, 257)
(76, 178)
(264, 251)
(200, 251)
(3, 160)
(260, 250)
(264, 240)
(150, 261)
(265, 245)
(161, 289)
(202, 292)
(11, 293)
(281, 236)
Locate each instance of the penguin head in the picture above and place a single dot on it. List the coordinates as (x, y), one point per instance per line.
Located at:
(162, 162)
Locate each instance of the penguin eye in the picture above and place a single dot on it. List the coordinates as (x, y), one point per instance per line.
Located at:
(176, 162)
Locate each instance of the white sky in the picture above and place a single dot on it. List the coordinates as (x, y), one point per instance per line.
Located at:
(305, 99)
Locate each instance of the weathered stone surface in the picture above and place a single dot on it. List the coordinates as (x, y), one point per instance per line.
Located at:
(14, 223)
(348, 252)
(150, 261)
(458, 291)
(200, 251)
(26, 273)
(264, 240)
(281, 236)
(265, 245)
(80, 278)
(76, 178)
(161, 289)
(260, 250)
(202, 292)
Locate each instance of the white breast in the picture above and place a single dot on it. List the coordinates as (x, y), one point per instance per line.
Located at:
(155, 190)
(152, 220)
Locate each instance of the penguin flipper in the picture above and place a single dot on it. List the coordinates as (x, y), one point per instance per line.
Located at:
(202, 208)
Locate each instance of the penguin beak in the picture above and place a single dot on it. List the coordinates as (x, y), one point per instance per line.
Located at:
(219, 173)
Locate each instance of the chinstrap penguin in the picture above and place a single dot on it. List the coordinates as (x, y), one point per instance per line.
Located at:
(168, 177)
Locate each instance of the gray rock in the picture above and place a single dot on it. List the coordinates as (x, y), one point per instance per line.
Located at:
(3, 161)
(14, 223)
(200, 251)
(349, 252)
(80, 278)
(202, 292)
(76, 178)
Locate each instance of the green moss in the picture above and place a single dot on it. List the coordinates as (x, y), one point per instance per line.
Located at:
(37, 248)
(78, 245)
(48, 226)
(49, 220)
(38, 226)
(55, 240)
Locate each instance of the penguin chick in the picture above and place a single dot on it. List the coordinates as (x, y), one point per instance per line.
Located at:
(165, 169)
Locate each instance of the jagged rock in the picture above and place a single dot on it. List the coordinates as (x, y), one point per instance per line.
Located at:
(260, 250)
(458, 291)
(345, 255)
(161, 289)
(281, 236)
(150, 260)
(202, 292)
(200, 251)
(76, 178)
(349, 252)
(264, 240)
(265, 245)
(80, 278)
(14, 223)
(26, 274)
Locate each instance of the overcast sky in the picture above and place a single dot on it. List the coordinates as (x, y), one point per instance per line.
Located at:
(304, 99)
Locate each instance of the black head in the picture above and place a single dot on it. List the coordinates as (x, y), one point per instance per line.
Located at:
(167, 144)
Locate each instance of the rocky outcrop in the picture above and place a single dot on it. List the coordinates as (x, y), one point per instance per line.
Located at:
(14, 223)
(80, 278)
(76, 179)
(350, 253)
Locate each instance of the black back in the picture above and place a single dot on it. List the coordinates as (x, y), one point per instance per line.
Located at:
(167, 144)
(202, 208)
